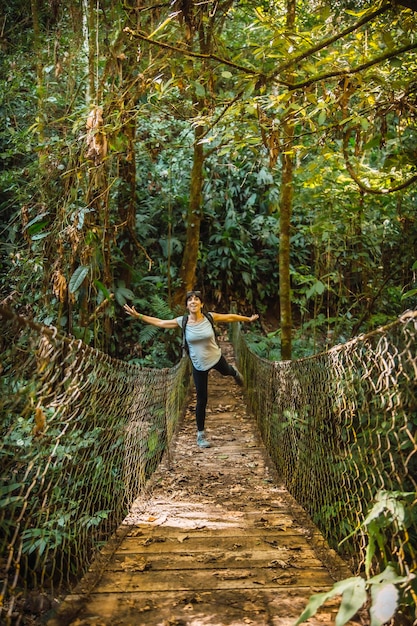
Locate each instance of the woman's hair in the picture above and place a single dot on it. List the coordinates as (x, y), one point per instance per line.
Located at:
(194, 292)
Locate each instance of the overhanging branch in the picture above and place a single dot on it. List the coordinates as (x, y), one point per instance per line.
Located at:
(195, 55)
(327, 42)
(354, 70)
(361, 184)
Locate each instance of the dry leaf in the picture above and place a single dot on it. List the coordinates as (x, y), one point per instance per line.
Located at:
(40, 421)
(279, 563)
(135, 565)
(228, 575)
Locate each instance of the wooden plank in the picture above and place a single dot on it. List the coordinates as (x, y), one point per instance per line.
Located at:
(208, 579)
(203, 543)
(136, 561)
(180, 533)
(258, 607)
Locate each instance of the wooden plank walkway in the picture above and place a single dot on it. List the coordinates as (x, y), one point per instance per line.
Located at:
(216, 540)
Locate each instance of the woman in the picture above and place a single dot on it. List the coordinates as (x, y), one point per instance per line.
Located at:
(204, 352)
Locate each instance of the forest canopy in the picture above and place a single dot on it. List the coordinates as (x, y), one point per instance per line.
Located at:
(264, 151)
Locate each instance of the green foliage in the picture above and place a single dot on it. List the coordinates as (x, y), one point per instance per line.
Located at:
(383, 590)
(351, 251)
(268, 346)
(154, 347)
(391, 508)
(387, 591)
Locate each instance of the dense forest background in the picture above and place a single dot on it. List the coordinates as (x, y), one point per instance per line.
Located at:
(263, 151)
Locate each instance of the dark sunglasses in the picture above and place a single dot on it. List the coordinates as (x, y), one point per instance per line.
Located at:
(193, 293)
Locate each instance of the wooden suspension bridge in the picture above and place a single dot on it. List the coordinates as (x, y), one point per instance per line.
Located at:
(215, 540)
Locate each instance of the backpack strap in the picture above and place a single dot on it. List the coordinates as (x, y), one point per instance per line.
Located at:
(211, 320)
(185, 349)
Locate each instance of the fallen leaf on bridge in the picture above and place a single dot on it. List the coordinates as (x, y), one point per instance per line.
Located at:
(280, 563)
(135, 565)
(228, 575)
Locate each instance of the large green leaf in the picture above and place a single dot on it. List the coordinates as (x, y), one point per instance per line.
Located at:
(78, 277)
(354, 597)
(123, 294)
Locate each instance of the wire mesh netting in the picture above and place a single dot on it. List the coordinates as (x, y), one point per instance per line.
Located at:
(341, 428)
(80, 435)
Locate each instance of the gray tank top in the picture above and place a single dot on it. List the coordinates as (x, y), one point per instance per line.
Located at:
(202, 345)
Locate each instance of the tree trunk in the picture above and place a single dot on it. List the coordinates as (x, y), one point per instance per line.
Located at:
(195, 215)
(40, 127)
(284, 244)
(286, 198)
(127, 198)
(200, 22)
(89, 26)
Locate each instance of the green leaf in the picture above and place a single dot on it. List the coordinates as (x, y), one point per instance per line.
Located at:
(199, 90)
(312, 607)
(387, 502)
(322, 117)
(389, 575)
(354, 597)
(152, 442)
(39, 236)
(9, 488)
(102, 288)
(316, 289)
(122, 294)
(409, 294)
(6, 502)
(36, 219)
(77, 278)
(318, 599)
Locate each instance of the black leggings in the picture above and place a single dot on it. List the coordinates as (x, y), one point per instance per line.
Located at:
(201, 387)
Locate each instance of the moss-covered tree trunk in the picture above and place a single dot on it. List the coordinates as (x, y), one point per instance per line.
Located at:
(284, 247)
(40, 127)
(287, 160)
(201, 22)
(127, 197)
(194, 217)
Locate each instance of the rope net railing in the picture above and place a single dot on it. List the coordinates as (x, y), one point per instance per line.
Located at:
(81, 433)
(341, 429)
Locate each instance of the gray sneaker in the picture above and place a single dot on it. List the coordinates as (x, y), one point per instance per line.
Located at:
(239, 378)
(201, 440)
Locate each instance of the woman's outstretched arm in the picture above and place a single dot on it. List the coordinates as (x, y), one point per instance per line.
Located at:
(148, 319)
(233, 317)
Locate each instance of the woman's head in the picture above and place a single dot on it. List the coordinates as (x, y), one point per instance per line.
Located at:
(193, 294)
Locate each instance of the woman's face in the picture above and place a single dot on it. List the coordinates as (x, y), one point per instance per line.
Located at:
(194, 303)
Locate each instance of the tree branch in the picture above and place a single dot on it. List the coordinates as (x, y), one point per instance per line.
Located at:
(362, 185)
(195, 55)
(354, 70)
(327, 42)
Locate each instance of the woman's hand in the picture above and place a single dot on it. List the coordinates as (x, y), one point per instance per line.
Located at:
(254, 317)
(130, 310)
